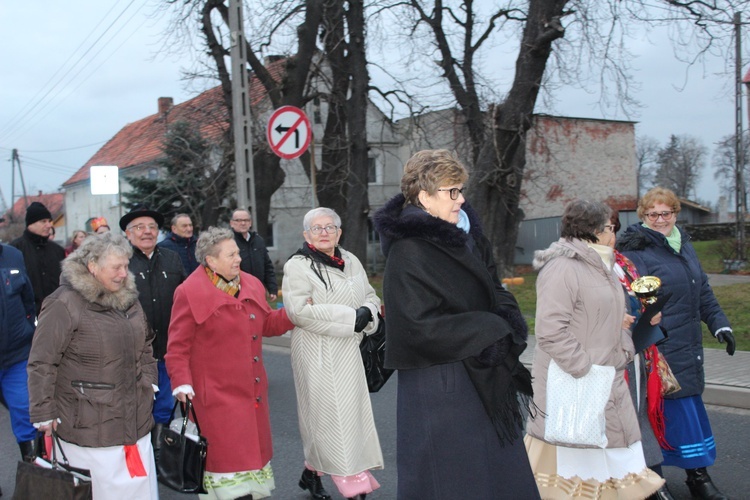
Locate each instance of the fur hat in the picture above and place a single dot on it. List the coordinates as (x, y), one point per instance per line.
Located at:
(141, 211)
(36, 212)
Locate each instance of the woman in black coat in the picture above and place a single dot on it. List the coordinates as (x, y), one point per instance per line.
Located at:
(455, 335)
(658, 248)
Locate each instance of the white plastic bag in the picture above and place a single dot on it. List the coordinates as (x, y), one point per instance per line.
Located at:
(191, 431)
(575, 406)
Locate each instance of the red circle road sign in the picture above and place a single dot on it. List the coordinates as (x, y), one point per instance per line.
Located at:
(289, 132)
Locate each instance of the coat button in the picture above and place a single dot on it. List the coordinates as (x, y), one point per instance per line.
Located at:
(258, 399)
(255, 337)
(257, 379)
(252, 316)
(255, 359)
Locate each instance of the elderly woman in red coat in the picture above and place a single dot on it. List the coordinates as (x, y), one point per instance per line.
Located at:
(214, 357)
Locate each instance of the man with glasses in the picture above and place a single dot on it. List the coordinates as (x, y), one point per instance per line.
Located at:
(158, 272)
(255, 259)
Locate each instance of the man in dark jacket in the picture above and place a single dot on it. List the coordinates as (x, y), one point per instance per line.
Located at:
(16, 332)
(255, 259)
(181, 240)
(41, 255)
(158, 272)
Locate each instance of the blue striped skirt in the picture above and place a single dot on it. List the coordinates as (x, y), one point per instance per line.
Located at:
(689, 433)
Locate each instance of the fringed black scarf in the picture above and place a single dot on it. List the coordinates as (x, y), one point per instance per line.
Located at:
(505, 391)
(319, 259)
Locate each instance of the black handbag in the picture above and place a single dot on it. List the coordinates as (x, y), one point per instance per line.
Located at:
(182, 461)
(61, 481)
(373, 357)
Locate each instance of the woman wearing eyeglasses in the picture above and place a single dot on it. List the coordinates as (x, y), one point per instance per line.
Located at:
(659, 248)
(455, 335)
(330, 301)
(582, 322)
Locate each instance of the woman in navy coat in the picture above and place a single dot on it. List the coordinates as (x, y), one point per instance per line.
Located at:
(658, 248)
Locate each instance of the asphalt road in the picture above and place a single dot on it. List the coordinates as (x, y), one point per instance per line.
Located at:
(731, 429)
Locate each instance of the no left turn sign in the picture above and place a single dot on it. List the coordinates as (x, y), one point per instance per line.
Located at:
(289, 132)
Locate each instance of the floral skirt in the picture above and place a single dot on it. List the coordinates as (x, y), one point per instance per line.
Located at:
(591, 473)
(230, 485)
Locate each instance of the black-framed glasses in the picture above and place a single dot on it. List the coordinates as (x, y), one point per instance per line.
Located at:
(654, 216)
(454, 192)
(329, 229)
(611, 227)
(242, 221)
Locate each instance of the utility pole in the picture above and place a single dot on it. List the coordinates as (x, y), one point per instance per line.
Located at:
(242, 127)
(15, 160)
(738, 146)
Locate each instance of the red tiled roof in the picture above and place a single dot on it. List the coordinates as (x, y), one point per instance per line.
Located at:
(53, 202)
(141, 142)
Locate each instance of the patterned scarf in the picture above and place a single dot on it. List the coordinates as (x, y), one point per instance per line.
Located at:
(627, 273)
(232, 287)
(319, 259)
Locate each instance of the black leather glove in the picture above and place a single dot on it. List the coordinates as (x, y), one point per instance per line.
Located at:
(364, 316)
(726, 336)
(496, 352)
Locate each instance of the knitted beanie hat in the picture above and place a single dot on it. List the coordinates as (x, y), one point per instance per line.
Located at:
(36, 212)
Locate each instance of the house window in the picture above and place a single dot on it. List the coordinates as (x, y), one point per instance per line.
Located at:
(372, 171)
(316, 110)
(372, 235)
(269, 235)
(152, 174)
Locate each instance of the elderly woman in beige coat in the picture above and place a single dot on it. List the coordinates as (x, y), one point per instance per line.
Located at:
(581, 322)
(329, 299)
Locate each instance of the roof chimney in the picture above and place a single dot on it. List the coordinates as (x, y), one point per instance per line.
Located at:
(165, 104)
(272, 59)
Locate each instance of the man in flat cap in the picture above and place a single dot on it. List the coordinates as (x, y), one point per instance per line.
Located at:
(158, 272)
(41, 255)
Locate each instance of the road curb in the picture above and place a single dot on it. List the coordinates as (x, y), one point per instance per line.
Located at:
(714, 394)
(723, 395)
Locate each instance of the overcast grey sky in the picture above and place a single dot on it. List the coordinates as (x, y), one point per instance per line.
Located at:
(75, 72)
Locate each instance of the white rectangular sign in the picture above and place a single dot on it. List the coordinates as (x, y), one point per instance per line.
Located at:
(105, 179)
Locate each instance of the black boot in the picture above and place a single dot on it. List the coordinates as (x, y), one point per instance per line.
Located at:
(361, 496)
(29, 450)
(701, 486)
(156, 434)
(310, 481)
(662, 493)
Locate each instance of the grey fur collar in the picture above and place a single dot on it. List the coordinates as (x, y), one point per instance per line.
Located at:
(76, 275)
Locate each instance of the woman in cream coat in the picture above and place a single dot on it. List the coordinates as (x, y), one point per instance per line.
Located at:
(328, 298)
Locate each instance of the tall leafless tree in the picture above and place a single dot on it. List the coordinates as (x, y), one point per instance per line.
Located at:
(680, 163)
(646, 149)
(334, 71)
(561, 41)
(725, 166)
